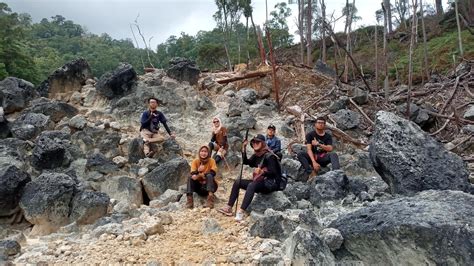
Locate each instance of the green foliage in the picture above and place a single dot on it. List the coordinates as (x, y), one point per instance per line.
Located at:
(279, 30)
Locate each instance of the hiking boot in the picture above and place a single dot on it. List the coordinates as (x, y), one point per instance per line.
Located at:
(189, 201)
(210, 201)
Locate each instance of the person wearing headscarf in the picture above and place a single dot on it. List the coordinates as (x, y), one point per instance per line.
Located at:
(202, 178)
(218, 140)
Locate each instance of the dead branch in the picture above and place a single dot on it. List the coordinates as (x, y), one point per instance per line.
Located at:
(466, 88)
(442, 127)
(255, 74)
(361, 111)
(460, 143)
(319, 99)
(450, 117)
(451, 97)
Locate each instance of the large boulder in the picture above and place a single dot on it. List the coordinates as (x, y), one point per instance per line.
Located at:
(183, 69)
(419, 115)
(432, 227)
(328, 187)
(273, 225)
(98, 162)
(49, 153)
(135, 150)
(4, 129)
(46, 201)
(30, 125)
(360, 96)
(13, 152)
(56, 110)
(169, 175)
(94, 138)
(66, 80)
(248, 95)
(304, 247)
(293, 169)
(297, 191)
(323, 68)
(276, 200)
(124, 189)
(118, 82)
(15, 94)
(88, 206)
(9, 248)
(12, 183)
(409, 160)
(346, 119)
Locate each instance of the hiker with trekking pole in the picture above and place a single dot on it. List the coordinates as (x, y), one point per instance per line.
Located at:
(267, 176)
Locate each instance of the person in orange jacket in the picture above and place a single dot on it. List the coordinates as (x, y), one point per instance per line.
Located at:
(202, 178)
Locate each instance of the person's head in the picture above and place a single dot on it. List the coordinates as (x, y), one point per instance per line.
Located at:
(204, 152)
(216, 122)
(271, 130)
(152, 103)
(258, 142)
(320, 123)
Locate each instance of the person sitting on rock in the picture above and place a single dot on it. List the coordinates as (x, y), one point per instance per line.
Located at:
(319, 149)
(266, 176)
(218, 140)
(201, 180)
(273, 142)
(150, 125)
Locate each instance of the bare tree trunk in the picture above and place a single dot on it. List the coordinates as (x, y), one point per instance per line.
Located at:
(247, 40)
(385, 53)
(388, 10)
(260, 46)
(410, 59)
(309, 23)
(348, 39)
(323, 32)
(276, 86)
(459, 27)
(146, 46)
(376, 61)
(300, 28)
(425, 49)
(439, 7)
(138, 47)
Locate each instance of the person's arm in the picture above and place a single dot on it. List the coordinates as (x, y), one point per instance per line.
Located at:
(213, 138)
(145, 119)
(277, 146)
(167, 128)
(213, 166)
(327, 146)
(194, 167)
(309, 149)
(273, 169)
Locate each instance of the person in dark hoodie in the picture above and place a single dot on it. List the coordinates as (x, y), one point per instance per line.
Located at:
(266, 176)
(150, 125)
(201, 180)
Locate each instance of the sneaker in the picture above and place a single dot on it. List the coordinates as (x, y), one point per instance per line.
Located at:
(226, 211)
(189, 201)
(239, 216)
(210, 201)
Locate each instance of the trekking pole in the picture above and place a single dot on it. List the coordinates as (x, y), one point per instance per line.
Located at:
(241, 170)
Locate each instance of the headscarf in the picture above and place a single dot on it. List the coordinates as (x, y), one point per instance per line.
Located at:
(215, 128)
(205, 160)
(263, 150)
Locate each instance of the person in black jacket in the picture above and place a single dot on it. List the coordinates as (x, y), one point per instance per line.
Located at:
(150, 124)
(266, 176)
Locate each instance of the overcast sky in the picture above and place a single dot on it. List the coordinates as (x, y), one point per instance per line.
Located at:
(162, 18)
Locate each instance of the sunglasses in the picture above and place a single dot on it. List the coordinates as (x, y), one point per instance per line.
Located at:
(215, 122)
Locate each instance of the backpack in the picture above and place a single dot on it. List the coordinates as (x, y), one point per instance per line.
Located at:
(283, 178)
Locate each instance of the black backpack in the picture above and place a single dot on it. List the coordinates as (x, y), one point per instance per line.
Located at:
(283, 178)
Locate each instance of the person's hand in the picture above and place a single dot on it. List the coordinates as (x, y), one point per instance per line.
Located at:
(201, 168)
(194, 177)
(258, 171)
(314, 142)
(316, 166)
(244, 145)
(173, 135)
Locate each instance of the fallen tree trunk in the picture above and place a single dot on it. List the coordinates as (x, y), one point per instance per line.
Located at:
(256, 74)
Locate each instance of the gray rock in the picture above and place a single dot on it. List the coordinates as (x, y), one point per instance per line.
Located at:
(419, 115)
(304, 247)
(339, 104)
(56, 110)
(118, 82)
(273, 226)
(323, 68)
(293, 169)
(409, 160)
(124, 189)
(183, 69)
(264, 108)
(469, 114)
(240, 123)
(169, 175)
(135, 150)
(431, 227)
(15, 94)
(210, 226)
(327, 187)
(276, 200)
(468, 129)
(168, 150)
(164, 199)
(237, 107)
(297, 148)
(4, 128)
(13, 151)
(247, 95)
(287, 131)
(98, 162)
(9, 247)
(202, 103)
(12, 184)
(346, 119)
(332, 237)
(49, 154)
(29, 125)
(78, 122)
(66, 80)
(90, 139)
(111, 228)
(88, 206)
(297, 191)
(360, 96)
(359, 164)
(46, 201)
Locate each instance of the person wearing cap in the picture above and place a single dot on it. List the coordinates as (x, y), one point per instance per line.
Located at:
(266, 176)
(150, 125)
(201, 180)
(218, 140)
(273, 142)
(319, 149)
